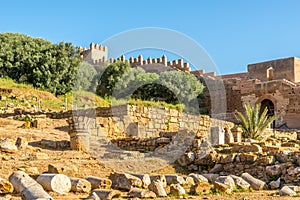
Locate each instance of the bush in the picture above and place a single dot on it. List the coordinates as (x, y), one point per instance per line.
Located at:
(38, 62)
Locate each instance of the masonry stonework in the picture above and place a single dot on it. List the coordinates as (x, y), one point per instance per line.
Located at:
(278, 90)
(275, 84)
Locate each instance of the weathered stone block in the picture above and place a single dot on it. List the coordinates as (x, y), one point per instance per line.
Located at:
(247, 157)
(198, 178)
(141, 193)
(240, 182)
(244, 148)
(223, 187)
(200, 188)
(256, 184)
(174, 179)
(125, 181)
(157, 186)
(177, 190)
(69, 170)
(287, 191)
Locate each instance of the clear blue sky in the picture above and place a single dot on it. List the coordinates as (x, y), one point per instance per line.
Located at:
(234, 33)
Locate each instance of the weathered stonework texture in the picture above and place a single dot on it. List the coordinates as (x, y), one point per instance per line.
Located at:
(279, 89)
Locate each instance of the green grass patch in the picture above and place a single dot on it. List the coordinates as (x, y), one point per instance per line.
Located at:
(11, 84)
(27, 96)
(238, 190)
(148, 104)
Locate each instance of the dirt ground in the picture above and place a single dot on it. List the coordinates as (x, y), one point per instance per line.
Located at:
(56, 130)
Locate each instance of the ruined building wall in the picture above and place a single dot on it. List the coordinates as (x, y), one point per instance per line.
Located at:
(283, 69)
(283, 94)
(142, 122)
(297, 69)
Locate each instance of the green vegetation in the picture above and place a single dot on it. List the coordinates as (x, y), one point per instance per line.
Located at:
(84, 99)
(25, 95)
(111, 76)
(273, 178)
(36, 65)
(216, 191)
(36, 61)
(85, 77)
(253, 122)
(238, 190)
(120, 82)
(148, 104)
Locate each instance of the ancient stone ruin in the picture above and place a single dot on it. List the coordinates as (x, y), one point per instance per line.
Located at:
(274, 84)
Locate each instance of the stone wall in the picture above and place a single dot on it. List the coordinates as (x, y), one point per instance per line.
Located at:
(145, 122)
(267, 160)
(283, 69)
(297, 69)
(284, 94)
(130, 124)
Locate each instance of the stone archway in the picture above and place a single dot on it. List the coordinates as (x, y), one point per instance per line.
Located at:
(267, 103)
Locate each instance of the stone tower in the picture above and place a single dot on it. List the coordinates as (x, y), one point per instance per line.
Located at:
(96, 54)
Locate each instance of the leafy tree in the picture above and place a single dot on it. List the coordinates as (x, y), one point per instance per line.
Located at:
(39, 62)
(184, 86)
(85, 76)
(111, 76)
(132, 81)
(121, 81)
(253, 122)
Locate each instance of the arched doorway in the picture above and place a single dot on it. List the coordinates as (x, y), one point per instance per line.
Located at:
(266, 103)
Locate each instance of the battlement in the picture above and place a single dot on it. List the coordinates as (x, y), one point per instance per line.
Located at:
(93, 47)
(139, 61)
(95, 54)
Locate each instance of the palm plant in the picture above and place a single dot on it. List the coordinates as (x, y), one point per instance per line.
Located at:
(253, 123)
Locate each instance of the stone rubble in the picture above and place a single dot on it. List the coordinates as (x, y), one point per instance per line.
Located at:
(255, 183)
(133, 185)
(243, 165)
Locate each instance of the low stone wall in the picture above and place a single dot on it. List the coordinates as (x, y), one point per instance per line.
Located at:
(267, 161)
(141, 144)
(138, 121)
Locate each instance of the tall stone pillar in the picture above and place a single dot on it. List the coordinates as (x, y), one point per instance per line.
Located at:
(79, 133)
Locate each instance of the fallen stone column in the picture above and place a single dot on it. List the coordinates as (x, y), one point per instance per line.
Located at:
(256, 184)
(125, 181)
(161, 178)
(59, 183)
(26, 185)
(99, 183)
(66, 169)
(106, 194)
(157, 187)
(177, 190)
(145, 179)
(141, 193)
(35, 192)
(80, 185)
(174, 179)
